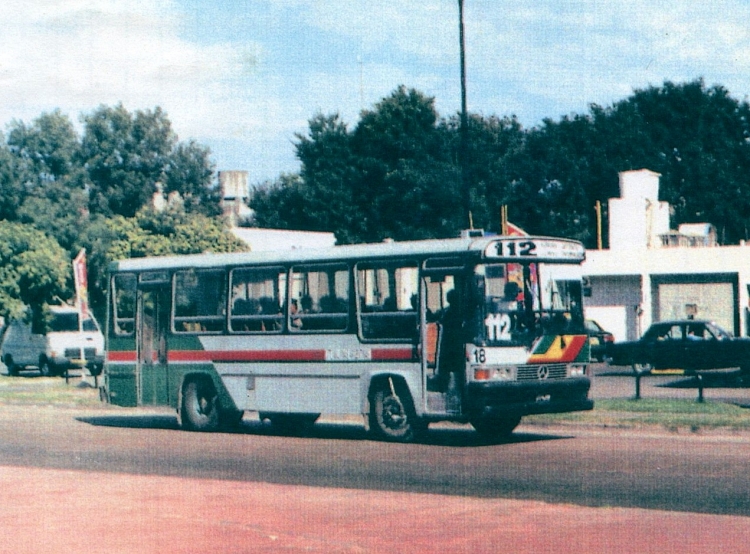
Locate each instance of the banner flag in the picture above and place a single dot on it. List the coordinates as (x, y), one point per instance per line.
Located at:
(81, 281)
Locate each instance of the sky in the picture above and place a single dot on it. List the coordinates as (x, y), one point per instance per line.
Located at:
(244, 76)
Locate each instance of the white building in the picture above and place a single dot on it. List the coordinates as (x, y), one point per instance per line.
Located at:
(652, 273)
(261, 240)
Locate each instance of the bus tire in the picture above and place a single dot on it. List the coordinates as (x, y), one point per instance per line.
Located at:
(392, 415)
(200, 405)
(496, 427)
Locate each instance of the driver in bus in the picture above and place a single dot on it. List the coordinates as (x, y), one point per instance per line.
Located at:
(452, 343)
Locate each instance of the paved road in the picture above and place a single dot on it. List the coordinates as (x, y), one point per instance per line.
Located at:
(118, 480)
(594, 468)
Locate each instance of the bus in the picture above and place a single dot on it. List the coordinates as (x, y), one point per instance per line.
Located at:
(477, 329)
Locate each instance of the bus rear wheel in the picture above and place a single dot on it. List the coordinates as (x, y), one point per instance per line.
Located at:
(200, 406)
(392, 415)
(496, 427)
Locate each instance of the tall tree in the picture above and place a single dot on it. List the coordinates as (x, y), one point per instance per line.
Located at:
(125, 156)
(34, 270)
(52, 191)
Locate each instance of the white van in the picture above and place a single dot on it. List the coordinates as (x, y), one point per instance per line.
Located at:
(68, 344)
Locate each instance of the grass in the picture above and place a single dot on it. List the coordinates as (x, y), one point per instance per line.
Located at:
(47, 391)
(671, 414)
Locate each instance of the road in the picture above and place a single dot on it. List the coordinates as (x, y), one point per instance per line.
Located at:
(119, 480)
(593, 468)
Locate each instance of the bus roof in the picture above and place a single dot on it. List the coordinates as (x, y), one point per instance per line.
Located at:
(546, 249)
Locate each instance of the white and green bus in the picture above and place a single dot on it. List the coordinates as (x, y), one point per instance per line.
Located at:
(480, 330)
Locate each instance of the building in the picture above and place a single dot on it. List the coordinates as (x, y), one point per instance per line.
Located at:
(261, 240)
(235, 195)
(653, 273)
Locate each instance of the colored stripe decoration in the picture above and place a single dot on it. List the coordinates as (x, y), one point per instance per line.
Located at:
(560, 348)
(238, 356)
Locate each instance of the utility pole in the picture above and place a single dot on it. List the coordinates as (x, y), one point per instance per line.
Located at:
(464, 147)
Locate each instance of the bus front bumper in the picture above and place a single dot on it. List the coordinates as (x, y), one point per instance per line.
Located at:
(498, 398)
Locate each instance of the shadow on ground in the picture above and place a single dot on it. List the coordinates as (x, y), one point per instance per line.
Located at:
(453, 436)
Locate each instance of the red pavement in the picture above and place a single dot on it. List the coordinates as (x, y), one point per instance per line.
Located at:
(69, 512)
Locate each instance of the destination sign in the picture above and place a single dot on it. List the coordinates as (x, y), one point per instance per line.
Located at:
(532, 248)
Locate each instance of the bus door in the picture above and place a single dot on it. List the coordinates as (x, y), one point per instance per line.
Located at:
(443, 358)
(153, 323)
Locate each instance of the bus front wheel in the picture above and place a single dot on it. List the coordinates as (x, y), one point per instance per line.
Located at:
(200, 406)
(392, 415)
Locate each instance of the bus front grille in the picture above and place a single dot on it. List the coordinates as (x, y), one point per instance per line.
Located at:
(542, 372)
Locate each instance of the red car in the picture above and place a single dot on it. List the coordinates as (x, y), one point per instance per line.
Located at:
(598, 339)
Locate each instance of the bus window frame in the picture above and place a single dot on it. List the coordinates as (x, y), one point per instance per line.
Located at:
(359, 294)
(296, 321)
(199, 320)
(277, 319)
(115, 327)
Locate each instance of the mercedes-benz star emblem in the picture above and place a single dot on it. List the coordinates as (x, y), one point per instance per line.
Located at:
(542, 372)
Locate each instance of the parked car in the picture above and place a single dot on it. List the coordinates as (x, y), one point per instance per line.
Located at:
(683, 344)
(598, 339)
(68, 343)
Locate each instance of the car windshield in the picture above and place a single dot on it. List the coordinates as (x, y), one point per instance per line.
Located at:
(64, 322)
(523, 301)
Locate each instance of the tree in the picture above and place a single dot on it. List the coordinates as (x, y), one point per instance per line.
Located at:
(125, 156)
(51, 184)
(34, 270)
(698, 139)
(172, 231)
(189, 172)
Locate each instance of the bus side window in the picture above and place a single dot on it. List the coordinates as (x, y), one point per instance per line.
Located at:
(258, 297)
(123, 304)
(320, 298)
(199, 301)
(387, 300)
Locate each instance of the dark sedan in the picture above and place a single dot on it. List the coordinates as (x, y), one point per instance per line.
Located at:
(684, 344)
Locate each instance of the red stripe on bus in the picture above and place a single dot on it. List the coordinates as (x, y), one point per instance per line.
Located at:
(121, 356)
(392, 354)
(247, 355)
(377, 354)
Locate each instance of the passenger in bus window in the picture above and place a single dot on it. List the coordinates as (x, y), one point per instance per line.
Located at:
(294, 319)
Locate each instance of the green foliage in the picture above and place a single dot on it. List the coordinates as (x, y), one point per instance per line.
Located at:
(397, 174)
(34, 269)
(125, 156)
(169, 232)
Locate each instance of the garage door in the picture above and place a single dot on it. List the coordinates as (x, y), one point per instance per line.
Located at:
(712, 301)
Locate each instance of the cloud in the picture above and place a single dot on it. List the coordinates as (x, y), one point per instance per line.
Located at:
(260, 69)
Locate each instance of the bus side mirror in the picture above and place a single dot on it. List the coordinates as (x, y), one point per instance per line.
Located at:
(586, 287)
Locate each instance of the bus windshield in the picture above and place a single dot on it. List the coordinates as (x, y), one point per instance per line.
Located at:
(519, 302)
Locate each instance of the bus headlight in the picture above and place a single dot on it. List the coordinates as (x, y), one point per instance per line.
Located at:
(577, 371)
(493, 374)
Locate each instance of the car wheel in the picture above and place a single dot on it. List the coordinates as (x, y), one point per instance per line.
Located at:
(46, 368)
(392, 415)
(200, 405)
(10, 364)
